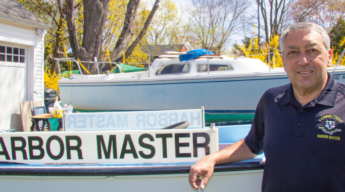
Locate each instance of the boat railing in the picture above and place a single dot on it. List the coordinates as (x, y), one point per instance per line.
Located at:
(79, 66)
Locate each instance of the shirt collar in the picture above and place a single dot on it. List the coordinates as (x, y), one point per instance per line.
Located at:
(287, 96)
(329, 94)
(327, 97)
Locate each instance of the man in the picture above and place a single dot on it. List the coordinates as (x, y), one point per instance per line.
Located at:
(299, 126)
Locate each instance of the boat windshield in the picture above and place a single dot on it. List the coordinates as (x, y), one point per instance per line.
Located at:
(214, 67)
(174, 69)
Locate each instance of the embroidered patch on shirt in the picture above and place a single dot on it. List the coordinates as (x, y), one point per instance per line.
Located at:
(329, 127)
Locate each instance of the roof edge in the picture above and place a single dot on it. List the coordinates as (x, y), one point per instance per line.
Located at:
(24, 22)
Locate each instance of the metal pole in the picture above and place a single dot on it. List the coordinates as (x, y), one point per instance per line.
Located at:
(203, 116)
(339, 60)
(149, 64)
(274, 61)
(208, 64)
(59, 68)
(269, 58)
(81, 72)
(95, 58)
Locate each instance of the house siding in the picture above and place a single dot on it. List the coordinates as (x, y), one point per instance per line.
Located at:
(34, 67)
(38, 73)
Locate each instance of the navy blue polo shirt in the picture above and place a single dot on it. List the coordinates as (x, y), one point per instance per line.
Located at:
(304, 145)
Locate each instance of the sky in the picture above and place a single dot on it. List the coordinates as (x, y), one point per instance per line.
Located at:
(181, 2)
(234, 39)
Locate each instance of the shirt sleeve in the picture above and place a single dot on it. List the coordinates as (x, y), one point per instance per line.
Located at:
(255, 137)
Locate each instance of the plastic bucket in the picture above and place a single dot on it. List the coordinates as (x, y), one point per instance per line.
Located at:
(58, 113)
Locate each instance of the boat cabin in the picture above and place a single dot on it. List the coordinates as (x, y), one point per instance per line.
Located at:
(170, 64)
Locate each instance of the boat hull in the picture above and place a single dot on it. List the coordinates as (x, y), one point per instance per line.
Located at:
(214, 94)
(224, 178)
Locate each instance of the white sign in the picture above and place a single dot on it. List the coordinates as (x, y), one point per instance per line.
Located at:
(131, 120)
(150, 146)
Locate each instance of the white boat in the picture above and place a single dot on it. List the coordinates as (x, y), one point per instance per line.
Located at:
(230, 86)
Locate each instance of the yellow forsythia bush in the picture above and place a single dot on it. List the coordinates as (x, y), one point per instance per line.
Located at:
(51, 80)
(254, 51)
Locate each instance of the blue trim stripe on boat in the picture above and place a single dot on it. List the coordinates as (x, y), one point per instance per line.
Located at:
(206, 111)
(230, 111)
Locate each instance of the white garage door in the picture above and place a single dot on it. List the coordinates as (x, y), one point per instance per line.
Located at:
(12, 84)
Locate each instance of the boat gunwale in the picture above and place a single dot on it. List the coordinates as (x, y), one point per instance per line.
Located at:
(116, 170)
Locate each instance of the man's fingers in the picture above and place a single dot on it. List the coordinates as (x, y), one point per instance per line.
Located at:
(197, 182)
(204, 181)
(193, 176)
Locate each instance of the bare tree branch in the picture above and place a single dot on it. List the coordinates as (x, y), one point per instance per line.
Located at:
(143, 31)
(127, 30)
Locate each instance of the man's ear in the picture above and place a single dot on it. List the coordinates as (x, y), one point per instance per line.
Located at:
(330, 53)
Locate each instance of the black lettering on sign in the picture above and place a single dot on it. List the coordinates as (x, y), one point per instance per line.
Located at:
(164, 142)
(62, 149)
(132, 150)
(147, 146)
(20, 148)
(111, 144)
(203, 145)
(4, 150)
(37, 147)
(77, 147)
(178, 145)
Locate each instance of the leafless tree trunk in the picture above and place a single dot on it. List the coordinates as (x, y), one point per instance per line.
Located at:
(58, 38)
(127, 30)
(95, 14)
(273, 16)
(142, 32)
(259, 29)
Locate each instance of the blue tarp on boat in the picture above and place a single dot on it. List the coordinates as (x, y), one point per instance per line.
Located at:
(194, 54)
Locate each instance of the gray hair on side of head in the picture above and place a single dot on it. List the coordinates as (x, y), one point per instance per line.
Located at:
(305, 26)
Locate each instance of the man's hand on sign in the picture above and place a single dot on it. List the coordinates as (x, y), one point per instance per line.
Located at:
(204, 167)
(201, 172)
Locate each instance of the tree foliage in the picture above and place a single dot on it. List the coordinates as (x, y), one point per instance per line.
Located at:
(337, 34)
(338, 41)
(53, 12)
(251, 48)
(88, 28)
(323, 12)
(165, 26)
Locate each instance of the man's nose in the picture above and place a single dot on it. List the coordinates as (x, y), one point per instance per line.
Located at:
(303, 59)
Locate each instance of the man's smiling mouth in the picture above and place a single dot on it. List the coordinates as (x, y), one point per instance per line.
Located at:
(304, 72)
